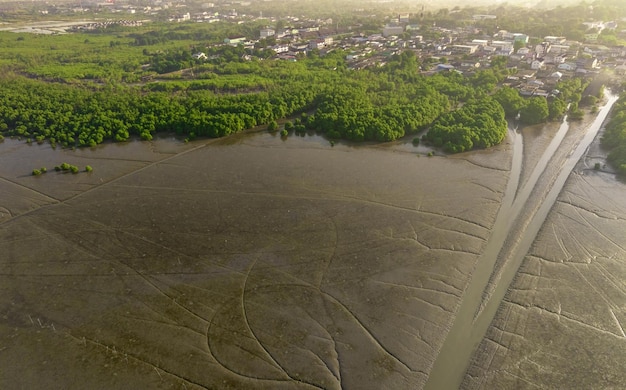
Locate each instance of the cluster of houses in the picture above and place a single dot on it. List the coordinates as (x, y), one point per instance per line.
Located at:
(105, 24)
(539, 66)
(539, 63)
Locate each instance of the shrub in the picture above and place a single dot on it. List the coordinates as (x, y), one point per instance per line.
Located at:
(36, 172)
(272, 126)
(88, 168)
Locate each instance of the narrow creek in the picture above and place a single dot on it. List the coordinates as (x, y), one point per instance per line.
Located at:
(521, 216)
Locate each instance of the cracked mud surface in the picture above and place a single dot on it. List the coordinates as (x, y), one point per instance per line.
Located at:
(243, 263)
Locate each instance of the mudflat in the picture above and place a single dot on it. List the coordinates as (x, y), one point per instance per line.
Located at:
(562, 322)
(247, 262)
(256, 262)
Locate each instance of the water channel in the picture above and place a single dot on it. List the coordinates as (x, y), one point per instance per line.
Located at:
(521, 216)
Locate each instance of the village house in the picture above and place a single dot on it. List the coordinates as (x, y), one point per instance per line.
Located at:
(567, 66)
(559, 49)
(317, 44)
(199, 56)
(280, 48)
(234, 41)
(554, 40)
(554, 78)
(390, 30)
(551, 58)
(537, 64)
(463, 49)
(542, 49)
(480, 42)
(267, 32)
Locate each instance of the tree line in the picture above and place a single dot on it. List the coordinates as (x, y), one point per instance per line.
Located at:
(614, 138)
(381, 104)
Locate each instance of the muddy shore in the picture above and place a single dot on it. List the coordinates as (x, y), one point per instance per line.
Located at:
(252, 262)
(561, 324)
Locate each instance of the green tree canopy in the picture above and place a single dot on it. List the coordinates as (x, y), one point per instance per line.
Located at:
(535, 111)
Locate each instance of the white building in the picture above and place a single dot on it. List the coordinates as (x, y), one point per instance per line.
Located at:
(267, 32)
(392, 30)
(280, 48)
(537, 64)
(464, 49)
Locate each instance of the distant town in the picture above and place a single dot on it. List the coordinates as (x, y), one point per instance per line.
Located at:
(539, 62)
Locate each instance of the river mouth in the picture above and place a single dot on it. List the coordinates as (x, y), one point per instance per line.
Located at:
(248, 262)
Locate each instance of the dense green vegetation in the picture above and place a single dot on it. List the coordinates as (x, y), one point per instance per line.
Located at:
(83, 89)
(538, 109)
(614, 138)
(479, 123)
(227, 94)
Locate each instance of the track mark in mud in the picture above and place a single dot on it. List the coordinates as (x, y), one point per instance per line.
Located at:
(146, 278)
(65, 201)
(84, 340)
(244, 289)
(150, 165)
(485, 187)
(503, 254)
(368, 332)
(568, 317)
(619, 325)
(508, 372)
(29, 189)
(595, 213)
(499, 344)
(483, 165)
(589, 224)
(5, 214)
(417, 288)
(330, 196)
(331, 255)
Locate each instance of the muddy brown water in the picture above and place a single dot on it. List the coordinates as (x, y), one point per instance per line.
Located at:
(517, 225)
(247, 262)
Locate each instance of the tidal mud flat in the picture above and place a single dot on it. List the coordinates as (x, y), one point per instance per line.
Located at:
(247, 262)
(562, 321)
(250, 262)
